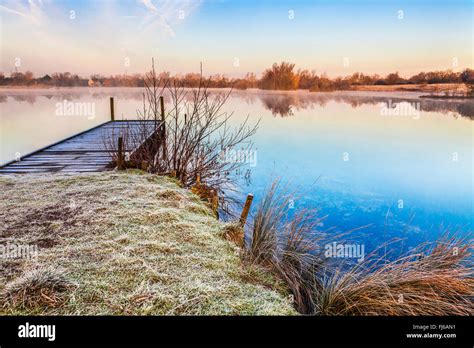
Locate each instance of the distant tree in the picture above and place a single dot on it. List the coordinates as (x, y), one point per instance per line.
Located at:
(249, 81)
(418, 79)
(394, 79)
(29, 76)
(467, 76)
(281, 77)
(323, 84)
(356, 79)
(306, 79)
(22, 79)
(191, 80)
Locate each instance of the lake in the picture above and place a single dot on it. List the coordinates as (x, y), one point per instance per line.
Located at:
(399, 163)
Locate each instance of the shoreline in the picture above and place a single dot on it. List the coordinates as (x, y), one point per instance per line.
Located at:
(427, 88)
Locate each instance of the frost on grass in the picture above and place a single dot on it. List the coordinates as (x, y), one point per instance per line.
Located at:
(122, 243)
(37, 288)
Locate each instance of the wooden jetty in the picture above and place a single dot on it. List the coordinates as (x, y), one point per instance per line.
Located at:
(93, 150)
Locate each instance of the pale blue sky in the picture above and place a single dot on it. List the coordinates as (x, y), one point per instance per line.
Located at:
(110, 37)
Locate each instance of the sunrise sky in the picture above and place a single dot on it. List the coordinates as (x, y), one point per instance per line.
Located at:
(235, 37)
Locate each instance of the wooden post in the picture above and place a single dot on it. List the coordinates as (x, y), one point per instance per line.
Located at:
(112, 112)
(245, 211)
(120, 164)
(163, 134)
(198, 180)
(145, 165)
(162, 105)
(185, 118)
(214, 200)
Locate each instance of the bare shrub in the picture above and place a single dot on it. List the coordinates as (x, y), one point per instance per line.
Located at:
(195, 134)
(198, 132)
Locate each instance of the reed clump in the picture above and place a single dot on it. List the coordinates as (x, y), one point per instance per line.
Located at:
(286, 246)
(433, 280)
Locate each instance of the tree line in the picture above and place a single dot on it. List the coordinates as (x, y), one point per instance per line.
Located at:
(283, 76)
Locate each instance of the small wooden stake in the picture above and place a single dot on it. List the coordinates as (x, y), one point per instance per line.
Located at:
(214, 200)
(120, 164)
(163, 135)
(245, 211)
(198, 180)
(162, 105)
(145, 165)
(112, 112)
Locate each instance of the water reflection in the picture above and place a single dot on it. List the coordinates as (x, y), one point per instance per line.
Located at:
(282, 104)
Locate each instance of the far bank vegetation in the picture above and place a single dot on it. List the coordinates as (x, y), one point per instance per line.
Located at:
(282, 76)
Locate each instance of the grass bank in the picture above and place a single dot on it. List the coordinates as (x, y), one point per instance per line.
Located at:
(428, 88)
(123, 243)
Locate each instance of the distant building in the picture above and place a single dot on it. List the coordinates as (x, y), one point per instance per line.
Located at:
(94, 83)
(45, 79)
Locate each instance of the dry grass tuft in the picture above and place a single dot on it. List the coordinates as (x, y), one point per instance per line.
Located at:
(234, 232)
(265, 227)
(430, 281)
(41, 287)
(287, 246)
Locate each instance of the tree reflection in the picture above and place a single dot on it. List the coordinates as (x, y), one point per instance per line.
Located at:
(279, 103)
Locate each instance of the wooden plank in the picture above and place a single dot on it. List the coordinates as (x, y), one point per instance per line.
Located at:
(36, 168)
(51, 160)
(55, 164)
(22, 171)
(85, 158)
(83, 152)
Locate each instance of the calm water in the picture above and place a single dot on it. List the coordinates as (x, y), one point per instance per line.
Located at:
(360, 157)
